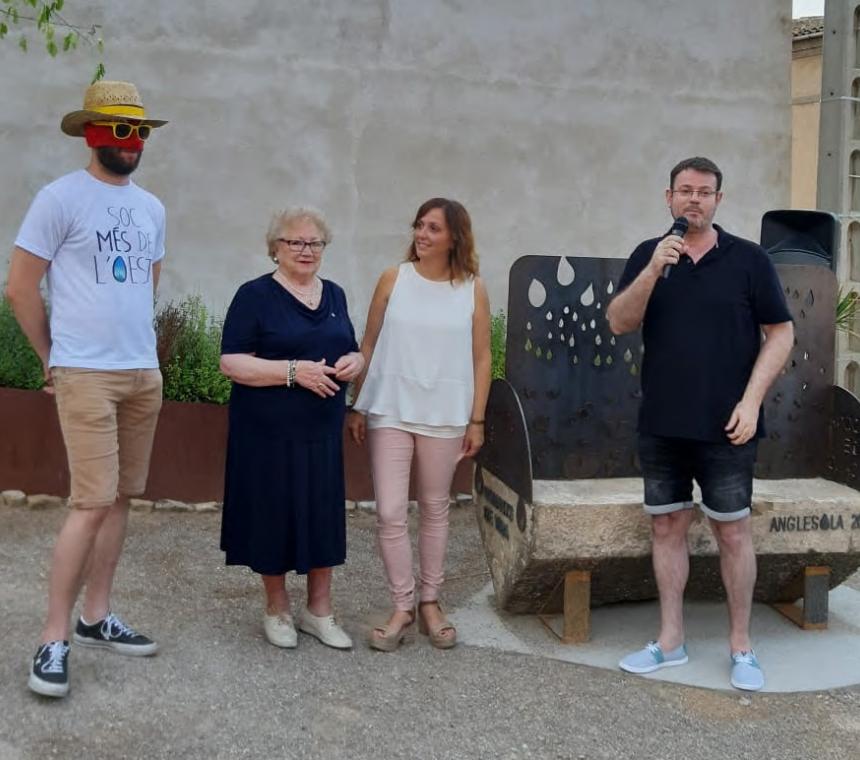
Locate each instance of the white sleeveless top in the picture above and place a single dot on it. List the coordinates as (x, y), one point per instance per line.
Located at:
(421, 376)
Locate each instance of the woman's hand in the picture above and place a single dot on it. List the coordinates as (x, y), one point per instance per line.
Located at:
(315, 377)
(356, 423)
(472, 440)
(349, 366)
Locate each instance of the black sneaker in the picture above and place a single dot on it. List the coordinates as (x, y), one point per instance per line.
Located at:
(112, 633)
(49, 674)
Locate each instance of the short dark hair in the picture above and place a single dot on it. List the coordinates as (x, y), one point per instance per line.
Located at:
(700, 164)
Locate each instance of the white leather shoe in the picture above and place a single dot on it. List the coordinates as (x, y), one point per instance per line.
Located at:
(280, 630)
(325, 629)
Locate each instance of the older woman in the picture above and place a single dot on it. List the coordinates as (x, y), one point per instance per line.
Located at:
(289, 348)
(427, 344)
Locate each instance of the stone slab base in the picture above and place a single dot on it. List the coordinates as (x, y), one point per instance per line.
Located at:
(599, 525)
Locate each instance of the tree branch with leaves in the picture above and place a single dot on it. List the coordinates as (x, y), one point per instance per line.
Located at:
(57, 33)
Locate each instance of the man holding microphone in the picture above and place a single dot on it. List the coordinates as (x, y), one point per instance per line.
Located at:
(703, 299)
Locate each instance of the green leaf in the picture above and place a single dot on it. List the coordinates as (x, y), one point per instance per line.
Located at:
(4, 30)
(99, 74)
(70, 41)
(498, 337)
(52, 48)
(22, 43)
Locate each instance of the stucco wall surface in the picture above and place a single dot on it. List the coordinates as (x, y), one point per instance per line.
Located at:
(555, 123)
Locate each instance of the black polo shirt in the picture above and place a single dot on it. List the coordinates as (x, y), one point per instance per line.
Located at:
(702, 335)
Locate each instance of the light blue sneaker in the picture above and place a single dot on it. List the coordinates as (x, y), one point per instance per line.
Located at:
(746, 672)
(652, 658)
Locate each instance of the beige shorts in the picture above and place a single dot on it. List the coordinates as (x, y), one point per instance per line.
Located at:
(108, 420)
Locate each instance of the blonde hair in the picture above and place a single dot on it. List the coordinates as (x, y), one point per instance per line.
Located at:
(285, 219)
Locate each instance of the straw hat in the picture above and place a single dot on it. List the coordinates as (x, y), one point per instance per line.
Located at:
(108, 101)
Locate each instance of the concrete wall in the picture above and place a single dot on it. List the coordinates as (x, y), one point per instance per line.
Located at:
(554, 122)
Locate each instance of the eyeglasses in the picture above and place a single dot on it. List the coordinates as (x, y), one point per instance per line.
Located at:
(686, 193)
(297, 246)
(122, 130)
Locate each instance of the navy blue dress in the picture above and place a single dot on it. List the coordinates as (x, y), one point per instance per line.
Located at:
(284, 487)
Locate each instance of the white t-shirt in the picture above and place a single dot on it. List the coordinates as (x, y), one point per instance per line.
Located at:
(102, 241)
(421, 374)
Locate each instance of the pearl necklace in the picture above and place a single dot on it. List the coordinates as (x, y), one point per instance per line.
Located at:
(309, 298)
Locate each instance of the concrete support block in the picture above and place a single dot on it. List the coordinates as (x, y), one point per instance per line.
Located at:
(812, 586)
(44, 501)
(12, 498)
(171, 505)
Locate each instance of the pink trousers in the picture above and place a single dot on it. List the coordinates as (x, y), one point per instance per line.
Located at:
(391, 452)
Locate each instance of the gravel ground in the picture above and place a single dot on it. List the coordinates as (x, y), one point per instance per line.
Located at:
(218, 690)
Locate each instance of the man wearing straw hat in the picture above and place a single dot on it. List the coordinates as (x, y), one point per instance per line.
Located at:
(99, 240)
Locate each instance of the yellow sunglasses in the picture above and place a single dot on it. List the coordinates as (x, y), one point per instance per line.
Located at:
(122, 130)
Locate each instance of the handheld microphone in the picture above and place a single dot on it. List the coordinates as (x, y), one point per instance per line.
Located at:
(679, 228)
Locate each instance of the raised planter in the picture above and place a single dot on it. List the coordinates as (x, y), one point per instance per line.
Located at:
(187, 457)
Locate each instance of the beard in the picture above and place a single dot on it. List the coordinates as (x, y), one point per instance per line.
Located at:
(115, 162)
(698, 218)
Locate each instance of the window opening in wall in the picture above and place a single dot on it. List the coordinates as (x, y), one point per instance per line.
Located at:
(854, 176)
(855, 109)
(852, 377)
(854, 250)
(856, 37)
(854, 330)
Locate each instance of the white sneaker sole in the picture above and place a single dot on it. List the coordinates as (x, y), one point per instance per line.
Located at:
(652, 668)
(281, 643)
(747, 686)
(130, 650)
(46, 688)
(319, 637)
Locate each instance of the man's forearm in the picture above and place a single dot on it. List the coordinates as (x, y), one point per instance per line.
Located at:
(771, 359)
(627, 309)
(29, 309)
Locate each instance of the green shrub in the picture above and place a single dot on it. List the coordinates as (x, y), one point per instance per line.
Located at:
(498, 335)
(19, 365)
(189, 350)
(847, 309)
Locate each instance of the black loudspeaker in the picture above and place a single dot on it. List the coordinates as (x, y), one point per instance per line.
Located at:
(801, 237)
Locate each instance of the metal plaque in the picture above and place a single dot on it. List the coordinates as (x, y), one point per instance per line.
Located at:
(798, 404)
(506, 451)
(843, 462)
(578, 383)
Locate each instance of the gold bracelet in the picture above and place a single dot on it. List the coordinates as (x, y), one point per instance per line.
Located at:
(476, 422)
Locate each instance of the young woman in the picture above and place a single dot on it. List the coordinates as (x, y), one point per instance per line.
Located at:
(427, 348)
